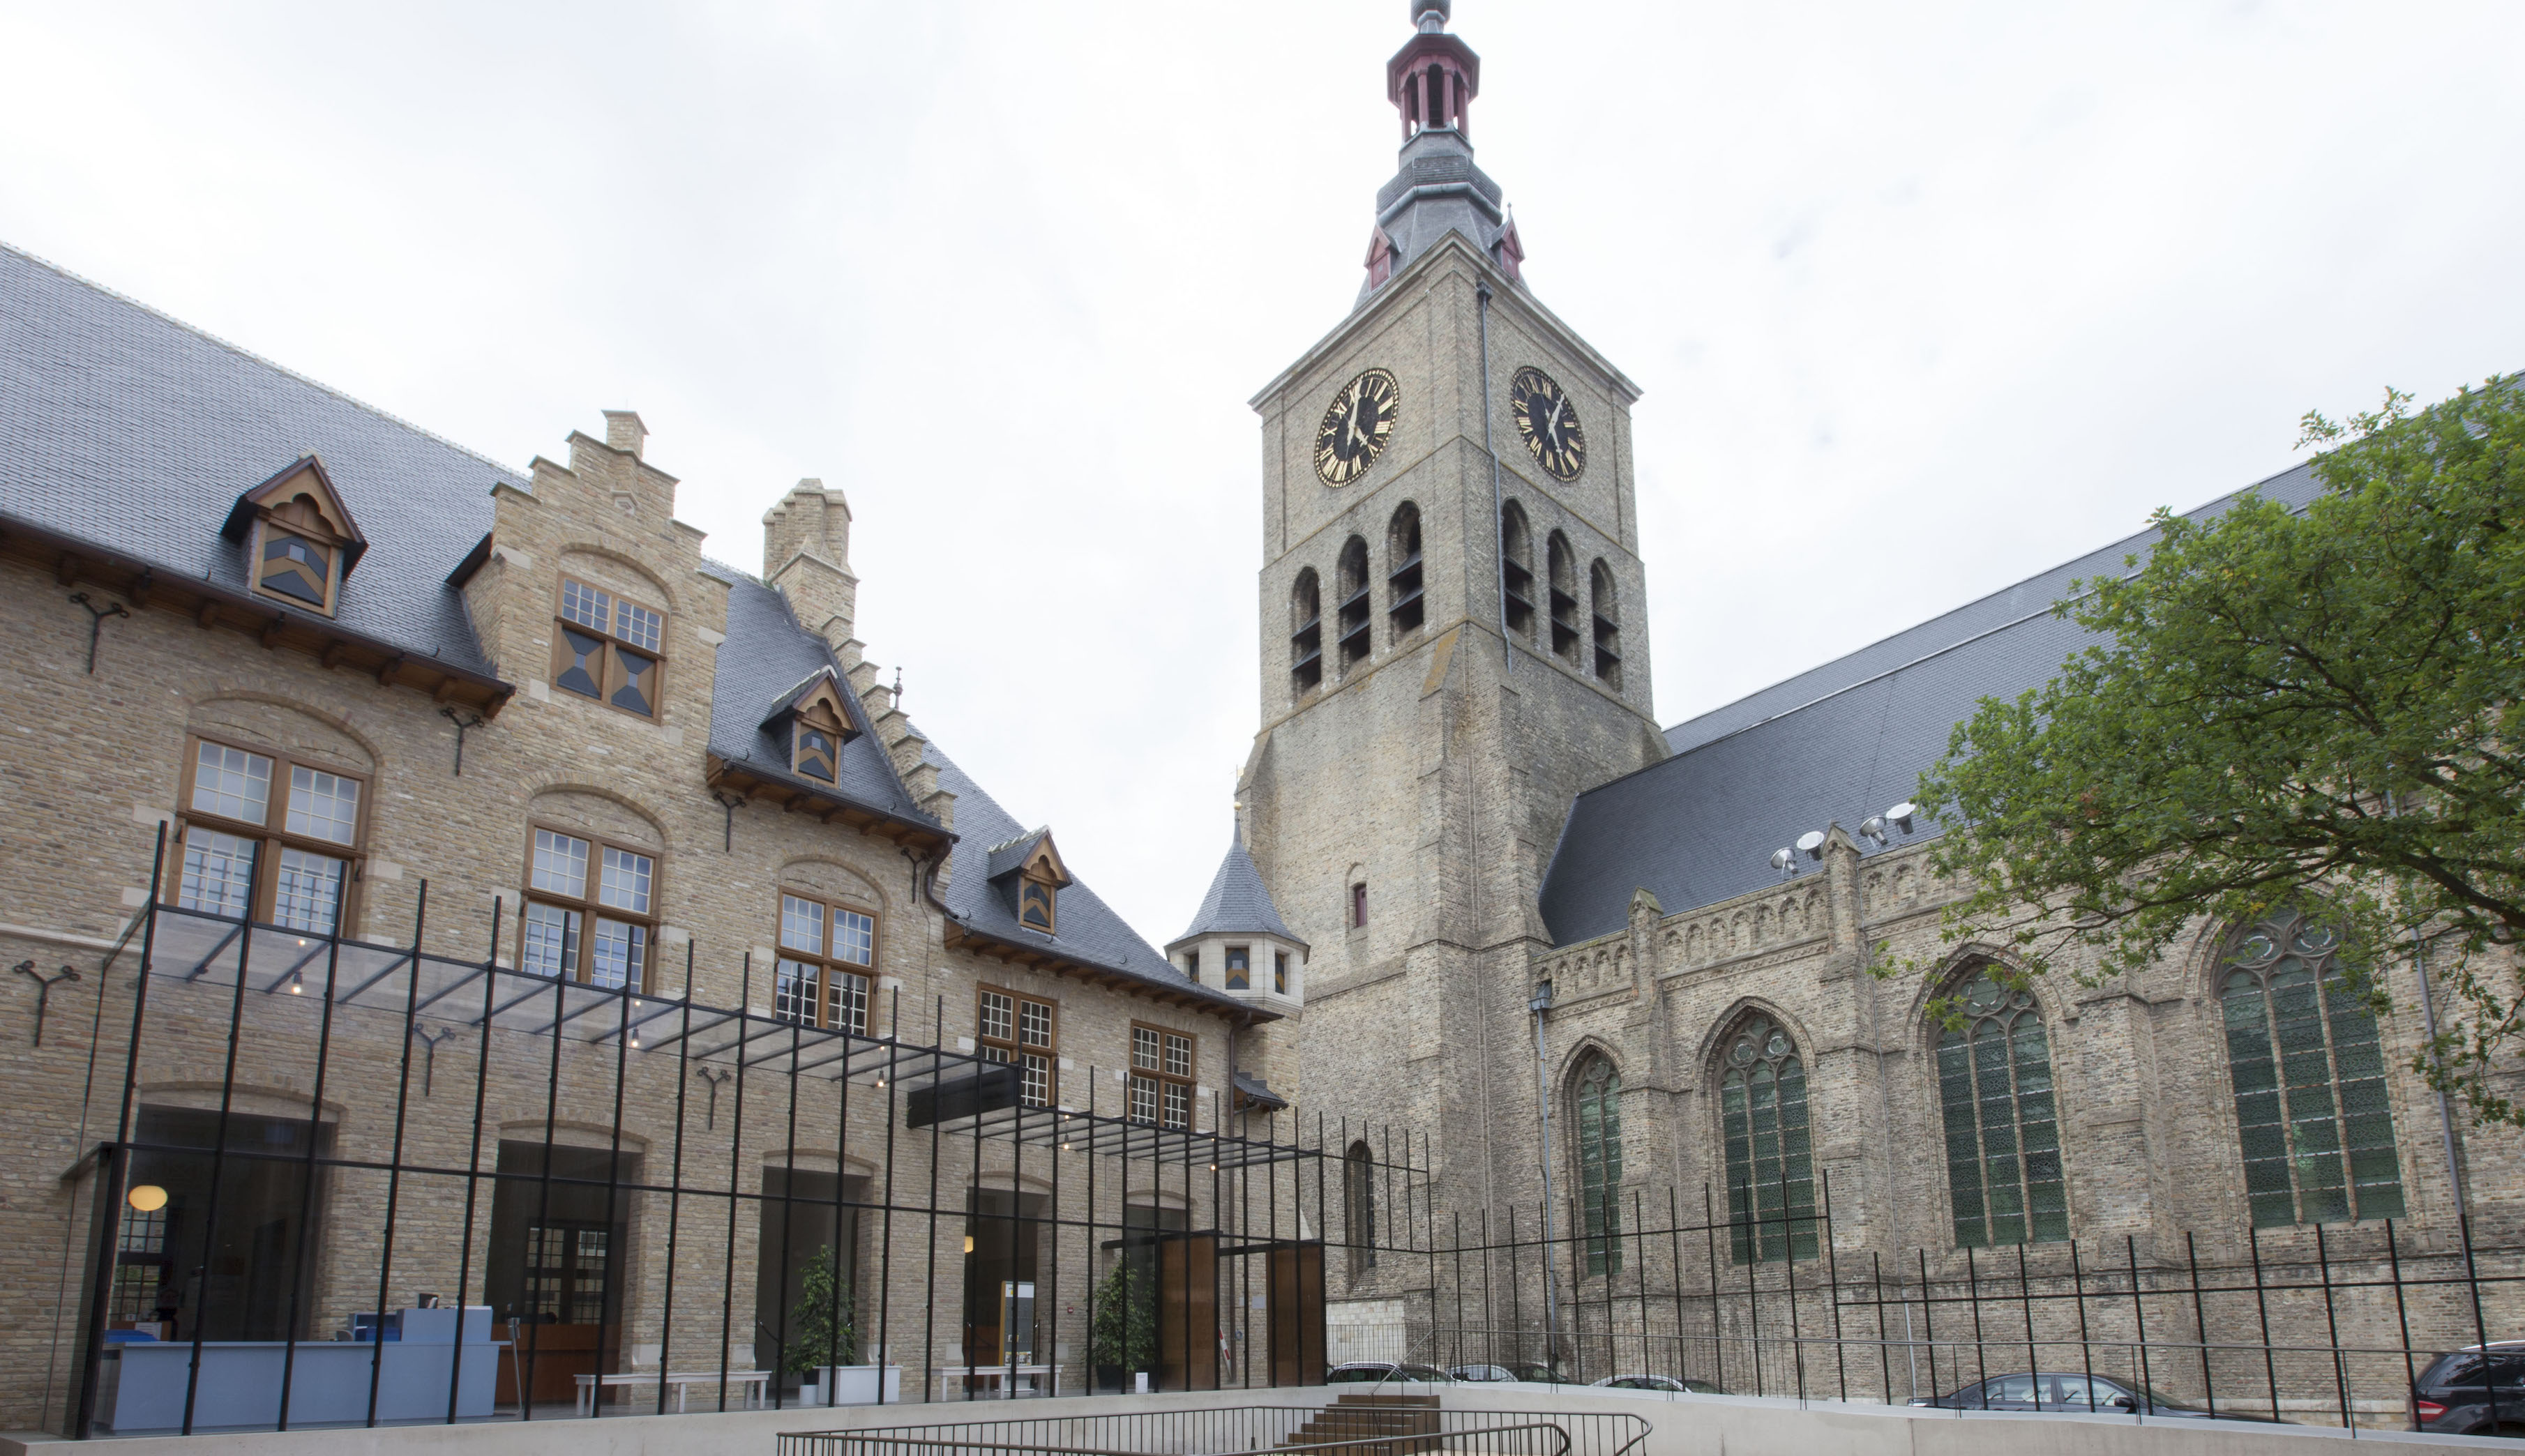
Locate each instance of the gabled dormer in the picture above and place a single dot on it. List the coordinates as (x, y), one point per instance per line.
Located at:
(812, 724)
(300, 540)
(1027, 873)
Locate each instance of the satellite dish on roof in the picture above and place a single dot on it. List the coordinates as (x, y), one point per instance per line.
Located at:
(1811, 841)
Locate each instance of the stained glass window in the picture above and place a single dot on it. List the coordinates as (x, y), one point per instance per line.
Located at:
(1599, 1164)
(2310, 1075)
(2002, 1128)
(1770, 1169)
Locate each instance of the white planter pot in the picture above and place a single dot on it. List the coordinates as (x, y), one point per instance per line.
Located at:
(854, 1384)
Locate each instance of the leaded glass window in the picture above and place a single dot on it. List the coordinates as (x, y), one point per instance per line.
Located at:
(2310, 1075)
(1770, 1167)
(2003, 1127)
(1599, 1164)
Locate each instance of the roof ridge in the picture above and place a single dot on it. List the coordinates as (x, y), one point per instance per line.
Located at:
(523, 479)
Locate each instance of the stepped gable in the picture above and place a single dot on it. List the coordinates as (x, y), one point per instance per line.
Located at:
(1090, 932)
(1238, 902)
(769, 658)
(123, 427)
(1838, 743)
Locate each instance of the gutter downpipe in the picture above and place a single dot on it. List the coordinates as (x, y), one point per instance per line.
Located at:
(1541, 1004)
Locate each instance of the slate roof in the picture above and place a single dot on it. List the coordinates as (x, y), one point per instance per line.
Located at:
(1842, 742)
(1436, 189)
(767, 660)
(1012, 855)
(122, 426)
(1237, 903)
(1090, 931)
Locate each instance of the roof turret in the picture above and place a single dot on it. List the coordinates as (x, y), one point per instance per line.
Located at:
(1237, 903)
(1437, 189)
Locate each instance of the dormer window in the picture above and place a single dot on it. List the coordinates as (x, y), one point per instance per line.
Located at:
(1034, 906)
(816, 725)
(299, 537)
(1239, 968)
(816, 753)
(607, 648)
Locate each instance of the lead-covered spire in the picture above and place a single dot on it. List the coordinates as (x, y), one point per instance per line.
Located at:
(1437, 189)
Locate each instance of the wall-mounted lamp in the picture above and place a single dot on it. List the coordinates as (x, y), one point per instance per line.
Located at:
(148, 1197)
(969, 1244)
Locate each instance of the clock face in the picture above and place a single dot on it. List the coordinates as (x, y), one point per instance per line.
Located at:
(1548, 423)
(1355, 427)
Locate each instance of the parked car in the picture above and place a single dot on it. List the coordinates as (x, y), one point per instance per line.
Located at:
(1480, 1373)
(1539, 1373)
(2472, 1391)
(2053, 1392)
(1670, 1384)
(1368, 1372)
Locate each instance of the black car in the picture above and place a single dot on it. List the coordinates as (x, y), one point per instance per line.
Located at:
(2472, 1391)
(1369, 1372)
(2051, 1390)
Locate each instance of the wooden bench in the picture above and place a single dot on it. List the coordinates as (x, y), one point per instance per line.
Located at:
(1030, 1379)
(755, 1382)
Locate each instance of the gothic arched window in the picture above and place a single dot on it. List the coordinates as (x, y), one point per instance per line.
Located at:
(1403, 604)
(1306, 633)
(2311, 1102)
(1351, 601)
(1517, 565)
(1604, 607)
(1770, 1170)
(1599, 1121)
(2002, 1128)
(1358, 1204)
(1562, 567)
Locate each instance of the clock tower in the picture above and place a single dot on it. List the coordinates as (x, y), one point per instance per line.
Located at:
(1453, 645)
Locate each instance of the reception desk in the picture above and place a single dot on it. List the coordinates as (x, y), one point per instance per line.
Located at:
(328, 1380)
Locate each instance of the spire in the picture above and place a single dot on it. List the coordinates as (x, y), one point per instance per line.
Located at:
(1237, 903)
(1433, 81)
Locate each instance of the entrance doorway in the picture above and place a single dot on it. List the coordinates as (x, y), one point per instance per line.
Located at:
(1001, 1310)
(801, 1224)
(234, 1261)
(555, 1266)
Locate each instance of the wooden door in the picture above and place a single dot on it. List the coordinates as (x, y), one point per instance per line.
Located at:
(1188, 1312)
(1296, 1314)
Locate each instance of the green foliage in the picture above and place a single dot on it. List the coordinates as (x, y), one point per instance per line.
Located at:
(1124, 1332)
(2285, 707)
(823, 1324)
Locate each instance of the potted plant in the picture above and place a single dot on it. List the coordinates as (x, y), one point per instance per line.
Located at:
(825, 1343)
(1124, 1336)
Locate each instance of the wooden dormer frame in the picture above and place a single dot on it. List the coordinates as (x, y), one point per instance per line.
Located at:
(297, 504)
(818, 705)
(1041, 871)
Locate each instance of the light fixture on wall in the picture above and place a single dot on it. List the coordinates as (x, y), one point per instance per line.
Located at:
(148, 1197)
(969, 1244)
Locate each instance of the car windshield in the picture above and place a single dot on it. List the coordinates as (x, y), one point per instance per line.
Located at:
(2075, 1391)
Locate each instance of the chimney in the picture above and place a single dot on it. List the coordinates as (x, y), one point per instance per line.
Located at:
(806, 556)
(624, 431)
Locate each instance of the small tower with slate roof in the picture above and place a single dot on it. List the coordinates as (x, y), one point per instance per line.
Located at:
(1238, 943)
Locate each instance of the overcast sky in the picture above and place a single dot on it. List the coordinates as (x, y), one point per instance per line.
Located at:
(1924, 297)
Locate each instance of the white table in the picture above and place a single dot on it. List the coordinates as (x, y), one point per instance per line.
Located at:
(755, 1382)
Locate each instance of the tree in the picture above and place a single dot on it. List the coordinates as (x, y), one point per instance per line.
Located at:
(824, 1318)
(2286, 707)
(1124, 1332)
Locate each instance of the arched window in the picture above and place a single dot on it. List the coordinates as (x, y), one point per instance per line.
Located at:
(1305, 634)
(1402, 570)
(1352, 603)
(2002, 1130)
(1517, 565)
(1603, 605)
(1563, 568)
(1358, 1204)
(1599, 1121)
(1770, 1170)
(2310, 1105)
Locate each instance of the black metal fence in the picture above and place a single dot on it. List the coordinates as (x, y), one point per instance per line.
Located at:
(1384, 1427)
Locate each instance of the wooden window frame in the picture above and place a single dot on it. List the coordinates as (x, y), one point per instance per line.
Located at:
(589, 907)
(827, 964)
(1014, 1049)
(1051, 904)
(1163, 1079)
(271, 838)
(322, 539)
(815, 719)
(615, 646)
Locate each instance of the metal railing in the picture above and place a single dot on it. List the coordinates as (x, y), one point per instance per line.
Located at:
(1378, 1426)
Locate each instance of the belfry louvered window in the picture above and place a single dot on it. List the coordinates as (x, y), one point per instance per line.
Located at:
(2003, 1129)
(1599, 1120)
(1770, 1169)
(2310, 1075)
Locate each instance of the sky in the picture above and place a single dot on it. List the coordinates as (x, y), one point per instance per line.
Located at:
(1924, 298)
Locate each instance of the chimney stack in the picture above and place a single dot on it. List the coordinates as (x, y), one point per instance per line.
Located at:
(806, 556)
(624, 431)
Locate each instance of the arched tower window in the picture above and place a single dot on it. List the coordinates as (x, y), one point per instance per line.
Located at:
(1403, 606)
(1352, 602)
(1564, 567)
(1603, 605)
(1516, 564)
(1358, 1204)
(1598, 1122)
(1305, 634)
(2003, 1129)
(2311, 1102)
(1770, 1169)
